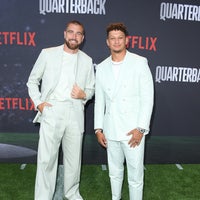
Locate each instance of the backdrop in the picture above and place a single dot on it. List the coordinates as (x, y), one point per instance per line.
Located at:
(167, 33)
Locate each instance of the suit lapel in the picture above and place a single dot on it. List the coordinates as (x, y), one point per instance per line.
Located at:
(110, 79)
(58, 63)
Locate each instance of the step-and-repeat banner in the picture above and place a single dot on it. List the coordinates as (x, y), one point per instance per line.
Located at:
(166, 32)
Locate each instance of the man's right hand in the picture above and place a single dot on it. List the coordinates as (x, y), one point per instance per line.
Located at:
(41, 106)
(101, 139)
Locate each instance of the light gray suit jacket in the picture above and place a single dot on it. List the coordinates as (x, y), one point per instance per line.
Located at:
(126, 103)
(48, 68)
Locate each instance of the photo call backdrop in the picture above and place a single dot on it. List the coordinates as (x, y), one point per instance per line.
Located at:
(166, 32)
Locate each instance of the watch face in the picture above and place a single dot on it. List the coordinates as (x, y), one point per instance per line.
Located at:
(142, 130)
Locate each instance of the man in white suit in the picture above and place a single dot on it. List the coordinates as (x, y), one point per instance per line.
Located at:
(60, 83)
(123, 107)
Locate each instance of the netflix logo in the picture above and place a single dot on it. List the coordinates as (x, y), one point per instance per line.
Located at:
(15, 103)
(18, 38)
(143, 43)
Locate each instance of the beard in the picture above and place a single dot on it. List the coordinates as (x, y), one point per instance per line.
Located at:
(117, 51)
(73, 46)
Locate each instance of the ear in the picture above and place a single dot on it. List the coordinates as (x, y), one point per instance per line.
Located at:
(83, 38)
(64, 34)
(107, 42)
(127, 40)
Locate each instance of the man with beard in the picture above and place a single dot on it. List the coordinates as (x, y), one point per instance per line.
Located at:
(60, 83)
(123, 107)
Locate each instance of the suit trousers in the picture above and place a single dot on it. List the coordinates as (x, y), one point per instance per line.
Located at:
(118, 152)
(58, 125)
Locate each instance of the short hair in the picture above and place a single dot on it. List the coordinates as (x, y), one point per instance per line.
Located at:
(117, 26)
(77, 23)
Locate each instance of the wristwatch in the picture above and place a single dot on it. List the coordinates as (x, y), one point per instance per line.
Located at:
(142, 130)
(98, 130)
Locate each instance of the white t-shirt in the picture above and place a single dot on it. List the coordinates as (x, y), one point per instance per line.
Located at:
(66, 81)
(116, 68)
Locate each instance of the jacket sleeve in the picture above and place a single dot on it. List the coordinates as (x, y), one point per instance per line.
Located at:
(146, 96)
(99, 103)
(34, 79)
(90, 84)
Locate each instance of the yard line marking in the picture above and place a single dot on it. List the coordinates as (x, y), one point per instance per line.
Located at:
(179, 166)
(103, 167)
(22, 167)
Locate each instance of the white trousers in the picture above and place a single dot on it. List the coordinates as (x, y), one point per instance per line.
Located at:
(58, 125)
(118, 152)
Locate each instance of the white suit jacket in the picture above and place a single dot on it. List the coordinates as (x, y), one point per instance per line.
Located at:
(48, 68)
(126, 103)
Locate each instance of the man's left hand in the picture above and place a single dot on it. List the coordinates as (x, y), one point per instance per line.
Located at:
(135, 138)
(77, 92)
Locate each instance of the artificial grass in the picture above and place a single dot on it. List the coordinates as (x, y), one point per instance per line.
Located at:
(166, 182)
(162, 182)
(16, 184)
